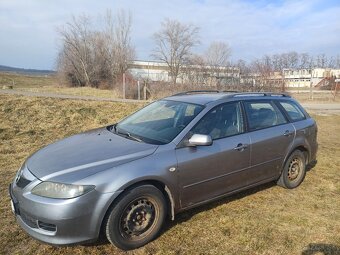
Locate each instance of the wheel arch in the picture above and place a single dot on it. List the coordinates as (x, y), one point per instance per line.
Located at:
(162, 186)
(168, 195)
(304, 149)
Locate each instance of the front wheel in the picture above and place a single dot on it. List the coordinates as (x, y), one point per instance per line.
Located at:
(294, 171)
(136, 218)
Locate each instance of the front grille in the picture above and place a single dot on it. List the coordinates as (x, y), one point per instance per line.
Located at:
(29, 220)
(47, 226)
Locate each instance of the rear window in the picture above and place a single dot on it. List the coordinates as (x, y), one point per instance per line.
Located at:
(263, 115)
(293, 111)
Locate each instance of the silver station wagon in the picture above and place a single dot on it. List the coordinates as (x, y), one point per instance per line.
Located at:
(185, 150)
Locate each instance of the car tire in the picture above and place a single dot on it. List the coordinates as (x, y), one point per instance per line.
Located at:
(136, 218)
(294, 170)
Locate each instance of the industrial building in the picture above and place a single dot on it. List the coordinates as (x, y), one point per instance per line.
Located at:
(206, 75)
(317, 77)
(159, 71)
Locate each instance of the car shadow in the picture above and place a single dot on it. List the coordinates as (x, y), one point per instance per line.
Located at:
(311, 165)
(321, 248)
(188, 214)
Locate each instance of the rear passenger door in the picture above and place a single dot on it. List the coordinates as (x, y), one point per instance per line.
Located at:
(306, 130)
(271, 137)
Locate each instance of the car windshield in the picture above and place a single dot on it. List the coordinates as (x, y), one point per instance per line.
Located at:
(159, 122)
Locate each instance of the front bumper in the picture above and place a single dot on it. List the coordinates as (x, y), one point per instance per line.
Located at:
(60, 221)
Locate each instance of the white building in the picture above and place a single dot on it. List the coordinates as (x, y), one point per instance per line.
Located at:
(207, 75)
(149, 70)
(297, 78)
(159, 71)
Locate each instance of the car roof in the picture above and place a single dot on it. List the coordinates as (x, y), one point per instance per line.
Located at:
(203, 98)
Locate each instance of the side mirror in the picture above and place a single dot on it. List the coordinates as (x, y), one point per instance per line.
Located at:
(200, 140)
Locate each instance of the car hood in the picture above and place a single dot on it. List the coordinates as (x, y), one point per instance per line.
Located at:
(85, 154)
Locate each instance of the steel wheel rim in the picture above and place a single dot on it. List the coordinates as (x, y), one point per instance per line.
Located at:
(138, 218)
(295, 169)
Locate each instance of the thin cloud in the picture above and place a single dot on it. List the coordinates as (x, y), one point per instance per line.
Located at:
(252, 28)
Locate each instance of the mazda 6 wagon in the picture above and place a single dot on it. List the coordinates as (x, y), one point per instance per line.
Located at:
(182, 151)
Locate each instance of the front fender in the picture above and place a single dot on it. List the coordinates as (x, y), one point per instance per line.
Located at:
(154, 167)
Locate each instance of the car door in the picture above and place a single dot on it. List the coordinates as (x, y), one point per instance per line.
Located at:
(206, 172)
(271, 137)
(306, 129)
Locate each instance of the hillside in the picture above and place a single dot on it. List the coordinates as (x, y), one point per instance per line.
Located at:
(26, 80)
(25, 71)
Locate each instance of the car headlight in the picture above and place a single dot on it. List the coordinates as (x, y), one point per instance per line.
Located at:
(60, 190)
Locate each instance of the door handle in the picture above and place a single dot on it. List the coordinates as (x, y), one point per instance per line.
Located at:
(288, 133)
(241, 147)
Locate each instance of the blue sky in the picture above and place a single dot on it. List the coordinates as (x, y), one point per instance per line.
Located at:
(252, 28)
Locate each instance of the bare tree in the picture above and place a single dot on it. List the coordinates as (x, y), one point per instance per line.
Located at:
(118, 35)
(91, 56)
(217, 54)
(196, 70)
(216, 57)
(321, 61)
(75, 55)
(277, 62)
(305, 60)
(174, 43)
(242, 65)
(337, 61)
(293, 59)
(261, 69)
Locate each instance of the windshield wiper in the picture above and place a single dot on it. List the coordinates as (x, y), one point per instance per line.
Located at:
(132, 137)
(127, 134)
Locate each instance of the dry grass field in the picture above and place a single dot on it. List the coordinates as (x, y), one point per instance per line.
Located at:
(50, 84)
(264, 220)
(76, 91)
(318, 97)
(21, 81)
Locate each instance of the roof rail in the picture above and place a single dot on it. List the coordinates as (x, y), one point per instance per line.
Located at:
(196, 91)
(205, 91)
(256, 94)
(233, 93)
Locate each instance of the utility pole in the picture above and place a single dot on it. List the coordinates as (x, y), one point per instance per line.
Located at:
(138, 87)
(124, 85)
(311, 91)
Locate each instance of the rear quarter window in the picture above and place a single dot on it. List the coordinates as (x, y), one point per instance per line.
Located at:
(293, 111)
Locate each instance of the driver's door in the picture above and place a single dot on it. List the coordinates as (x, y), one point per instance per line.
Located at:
(206, 172)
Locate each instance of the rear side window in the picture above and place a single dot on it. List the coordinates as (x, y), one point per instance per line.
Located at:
(263, 115)
(293, 111)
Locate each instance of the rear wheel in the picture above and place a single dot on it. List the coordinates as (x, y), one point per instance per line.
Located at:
(136, 218)
(294, 171)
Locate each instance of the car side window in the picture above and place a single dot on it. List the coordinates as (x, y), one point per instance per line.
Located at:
(263, 115)
(293, 111)
(222, 121)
